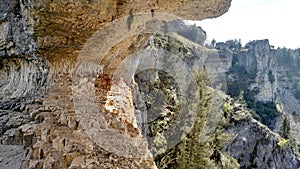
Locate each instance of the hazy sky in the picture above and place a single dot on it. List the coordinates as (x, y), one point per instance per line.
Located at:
(276, 20)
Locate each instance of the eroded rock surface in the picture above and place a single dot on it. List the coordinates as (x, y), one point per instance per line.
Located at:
(259, 60)
(261, 147)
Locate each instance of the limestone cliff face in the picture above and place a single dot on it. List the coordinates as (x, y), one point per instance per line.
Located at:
(254, 72)
(261, 147)
(22, 73)
(272, 76)
(260, 62)
(252, 144)
(67, 25)
(16, 27)
(287, 85)
(39, 43)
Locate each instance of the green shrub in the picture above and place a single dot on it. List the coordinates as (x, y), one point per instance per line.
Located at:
(227, 107)
(271, 77)
(283, 142)
(285, 128)
(267, 112)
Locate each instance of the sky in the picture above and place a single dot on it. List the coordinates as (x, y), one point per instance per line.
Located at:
(276, 20)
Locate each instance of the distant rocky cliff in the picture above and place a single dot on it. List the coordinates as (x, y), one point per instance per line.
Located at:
(269, 79)
(259, 60)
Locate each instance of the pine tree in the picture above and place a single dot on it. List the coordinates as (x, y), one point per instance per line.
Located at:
(192, 152)
(285, 128)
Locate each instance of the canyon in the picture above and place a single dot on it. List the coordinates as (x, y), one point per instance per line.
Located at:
(82, 86)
